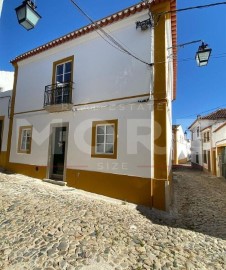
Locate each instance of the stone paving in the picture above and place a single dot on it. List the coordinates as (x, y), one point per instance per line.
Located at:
(43, 226)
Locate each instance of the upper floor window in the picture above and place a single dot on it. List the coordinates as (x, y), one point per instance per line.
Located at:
(24, 141)
(63, 70)
(206, 136)
(104, 139)
(198, 132)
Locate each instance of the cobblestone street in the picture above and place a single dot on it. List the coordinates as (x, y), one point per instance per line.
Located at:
(43, 226)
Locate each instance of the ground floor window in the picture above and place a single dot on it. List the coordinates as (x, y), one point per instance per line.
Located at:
(197, 158)
(104, 139)
(24, 141)
(205, 157)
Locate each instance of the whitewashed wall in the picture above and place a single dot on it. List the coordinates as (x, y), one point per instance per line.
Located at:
(196, 142)
(4, 103)
(6, 80)
(100, 71)
(169, 89)
(134, 138)
(219, 136)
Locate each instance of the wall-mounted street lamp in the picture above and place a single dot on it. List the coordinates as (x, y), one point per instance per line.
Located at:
(203, 55)
(26, 14)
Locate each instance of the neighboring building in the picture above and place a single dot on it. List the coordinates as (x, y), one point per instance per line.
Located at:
(6, 80)
(219, 152)
(87, 114)
(6, 86)
(208, 142)
(5, 105)
(181, 146)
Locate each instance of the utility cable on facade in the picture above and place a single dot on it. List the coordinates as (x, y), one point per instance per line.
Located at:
(111, 40)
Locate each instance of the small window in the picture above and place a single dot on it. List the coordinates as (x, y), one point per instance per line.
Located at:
(207, 136)
(197, 158)
(24, 141)
(104, 139)
(198, 132)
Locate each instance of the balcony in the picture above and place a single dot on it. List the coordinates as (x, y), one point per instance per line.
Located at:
(58, 97)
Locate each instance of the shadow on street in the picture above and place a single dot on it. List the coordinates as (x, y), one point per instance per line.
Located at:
(198, 203)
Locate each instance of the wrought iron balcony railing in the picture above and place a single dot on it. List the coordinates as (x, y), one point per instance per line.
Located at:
(57, 94)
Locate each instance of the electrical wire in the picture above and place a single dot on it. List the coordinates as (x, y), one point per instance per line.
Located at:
(113, 42)
(189, 8)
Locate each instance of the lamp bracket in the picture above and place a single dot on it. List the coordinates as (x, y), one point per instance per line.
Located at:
(144, 25)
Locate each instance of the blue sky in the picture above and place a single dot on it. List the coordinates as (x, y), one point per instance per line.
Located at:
(199, 90)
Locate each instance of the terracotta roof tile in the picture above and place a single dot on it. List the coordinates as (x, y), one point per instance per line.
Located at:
(219, 114)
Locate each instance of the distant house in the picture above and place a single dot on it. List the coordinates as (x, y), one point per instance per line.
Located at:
(97, 119)
(181, 146)
(208, 142)
(5, 106)
(6, 86)
(6, 80)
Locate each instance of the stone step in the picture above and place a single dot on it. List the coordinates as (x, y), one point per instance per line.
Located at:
(55, 182)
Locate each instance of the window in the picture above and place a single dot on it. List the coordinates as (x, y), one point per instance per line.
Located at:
(24, 141)
(63, 70)
(104, 139)
(62, 79)
(204, 157)
(198, 132)
(207, 136)
(197, 158)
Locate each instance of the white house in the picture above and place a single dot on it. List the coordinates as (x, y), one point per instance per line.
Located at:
(6, 86)
(6, 80)
(98, 119)
(5, 105)
(181, 146)
(208, 142)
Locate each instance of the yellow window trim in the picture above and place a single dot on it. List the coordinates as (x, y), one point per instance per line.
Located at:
(64, 60)
(93, 143)
(28, 151)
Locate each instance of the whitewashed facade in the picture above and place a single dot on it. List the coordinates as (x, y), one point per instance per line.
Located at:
(97, 130)
(181, 146)
(5, 106)
(208, 142)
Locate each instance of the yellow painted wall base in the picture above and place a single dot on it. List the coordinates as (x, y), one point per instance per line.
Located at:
(127, 188)
(158, 194)
(3, 159)
(29, 170)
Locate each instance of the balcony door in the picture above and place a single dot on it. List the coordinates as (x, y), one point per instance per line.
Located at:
(58, 152)
(62, 79)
